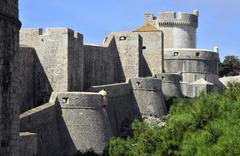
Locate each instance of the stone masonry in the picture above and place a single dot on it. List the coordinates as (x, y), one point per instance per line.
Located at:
(75, 97)
(9, 108)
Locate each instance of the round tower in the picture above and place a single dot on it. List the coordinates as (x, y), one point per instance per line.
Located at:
(179, 29)
(148, 97)
(84, 124)
(9, 110)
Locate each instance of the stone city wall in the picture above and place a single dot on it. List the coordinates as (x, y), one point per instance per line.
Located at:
(127, 46)
(151, 58)
(42, 120)
(99, 63)
(60, 53)
(25, 61)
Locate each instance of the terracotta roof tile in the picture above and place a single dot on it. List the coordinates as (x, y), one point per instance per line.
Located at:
(147, 28)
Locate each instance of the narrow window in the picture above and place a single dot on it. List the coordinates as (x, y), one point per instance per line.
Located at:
(122, 38)
(175, 54)
(138, 84)
(65, 100)
(198, 54)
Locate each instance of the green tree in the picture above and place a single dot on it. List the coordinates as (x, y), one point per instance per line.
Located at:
(230, 66)
(208, 125)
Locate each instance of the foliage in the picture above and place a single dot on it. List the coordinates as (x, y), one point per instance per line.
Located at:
(208, 125)
(91, 152)
(230, 66)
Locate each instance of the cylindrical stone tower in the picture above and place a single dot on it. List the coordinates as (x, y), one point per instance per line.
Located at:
(84, 124)
(147, 96)
(179, 29)
(9, 109)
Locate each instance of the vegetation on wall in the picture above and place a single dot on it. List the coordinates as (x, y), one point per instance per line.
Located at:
(230, 66)
(208, 125)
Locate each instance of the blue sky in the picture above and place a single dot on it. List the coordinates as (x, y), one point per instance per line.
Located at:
(219, 20)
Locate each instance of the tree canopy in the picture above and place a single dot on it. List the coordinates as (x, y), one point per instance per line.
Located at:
(230, 66)
(208, 125)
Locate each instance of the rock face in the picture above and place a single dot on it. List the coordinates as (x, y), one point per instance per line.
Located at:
(9, 110)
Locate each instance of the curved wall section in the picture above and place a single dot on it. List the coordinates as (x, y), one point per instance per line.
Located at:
(191, 63)
(84, 124)
(148, 96)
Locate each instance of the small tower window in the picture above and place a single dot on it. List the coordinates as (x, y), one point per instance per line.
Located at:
(175, 54)
(65, 100)
(138, 84)
(197, 54)
(122, 38)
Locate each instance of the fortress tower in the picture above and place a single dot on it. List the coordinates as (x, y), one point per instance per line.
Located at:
(179, 29)
(9, 110)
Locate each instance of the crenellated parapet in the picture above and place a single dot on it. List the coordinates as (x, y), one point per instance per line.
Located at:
(173, 18)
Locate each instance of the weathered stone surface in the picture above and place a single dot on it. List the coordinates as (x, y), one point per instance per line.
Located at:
(100, 68)
(57, 60)
(60, 59)
(128, 49)
(120, 108)
(84, 124)
(170, 85)
(151, 58)
(179, 29)
(43, 121)
(148, 96)
(9, 109)
(28, 144)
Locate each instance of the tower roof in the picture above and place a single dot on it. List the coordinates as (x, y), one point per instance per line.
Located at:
(147, 28)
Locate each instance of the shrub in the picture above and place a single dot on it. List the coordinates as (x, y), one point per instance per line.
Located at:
(207, 125)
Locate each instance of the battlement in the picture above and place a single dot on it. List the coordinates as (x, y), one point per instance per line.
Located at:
(173, 18)
(41, 32)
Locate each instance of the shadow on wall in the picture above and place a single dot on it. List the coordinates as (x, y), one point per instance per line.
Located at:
(53, 135)
(144, 68)
(67, 145)
(102, 65)
(41, 85)
(35, 88)
(118, 68)
(43, 121)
